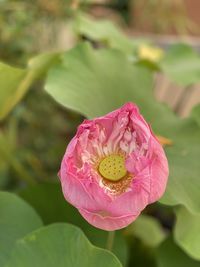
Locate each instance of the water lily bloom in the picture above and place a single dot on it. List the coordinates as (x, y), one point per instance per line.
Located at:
(113, 168)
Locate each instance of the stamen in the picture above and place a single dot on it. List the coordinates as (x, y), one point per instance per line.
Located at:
(119, 187)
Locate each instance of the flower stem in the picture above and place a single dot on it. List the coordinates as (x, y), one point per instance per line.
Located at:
(110, 240)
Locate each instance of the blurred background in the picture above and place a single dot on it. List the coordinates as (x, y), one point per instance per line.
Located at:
(28, 28)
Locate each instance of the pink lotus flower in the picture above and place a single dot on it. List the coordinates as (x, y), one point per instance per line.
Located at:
(113, 168)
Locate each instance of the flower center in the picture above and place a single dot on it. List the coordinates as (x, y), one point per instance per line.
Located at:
(113, 167)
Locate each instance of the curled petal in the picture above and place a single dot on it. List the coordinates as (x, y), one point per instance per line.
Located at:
(159, 173)
(82, 192)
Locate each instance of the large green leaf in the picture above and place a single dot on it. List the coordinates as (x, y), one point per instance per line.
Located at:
(186, 232)
(15, 82)
(94, 82)
(48, 201)
(182, 64)
(82, 82)
(17, 219)
(170, 255)
(60, 245)
(148, 230)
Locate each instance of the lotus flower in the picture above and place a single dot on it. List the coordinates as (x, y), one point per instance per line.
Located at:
(113, 168)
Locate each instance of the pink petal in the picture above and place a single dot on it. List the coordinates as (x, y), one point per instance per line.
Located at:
(107, 223)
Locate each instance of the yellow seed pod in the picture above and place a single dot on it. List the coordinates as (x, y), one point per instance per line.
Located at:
(113, 167)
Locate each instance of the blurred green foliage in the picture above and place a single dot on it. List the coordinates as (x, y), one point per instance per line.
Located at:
(22, 22)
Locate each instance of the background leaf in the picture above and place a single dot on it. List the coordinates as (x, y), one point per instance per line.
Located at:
(182, 64)
(60, 245)
(82, 82)
(148, 230)
(186, 232)
(15, 82)
(168, 254)
(17, 219)
(10, 94)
